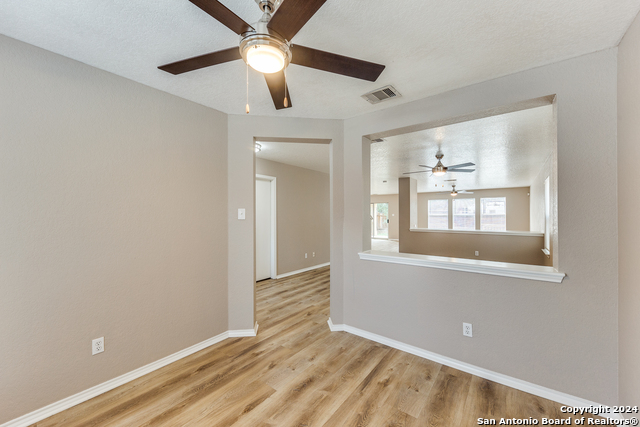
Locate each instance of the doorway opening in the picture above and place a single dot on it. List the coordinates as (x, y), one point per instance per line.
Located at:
(292, 230)
(379, 220)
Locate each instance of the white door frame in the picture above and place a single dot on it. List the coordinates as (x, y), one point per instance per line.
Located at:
(274, 225)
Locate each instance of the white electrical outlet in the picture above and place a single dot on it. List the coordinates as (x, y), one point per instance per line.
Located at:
(97, 346)
(467, 330)
(313, 254)
(477, 253)
(305, 255)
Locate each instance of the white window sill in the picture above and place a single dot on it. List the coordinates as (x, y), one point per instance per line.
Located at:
(494, 233)
(520, 271)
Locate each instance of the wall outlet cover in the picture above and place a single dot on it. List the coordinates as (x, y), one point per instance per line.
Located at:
(97, 346)
(467, 330)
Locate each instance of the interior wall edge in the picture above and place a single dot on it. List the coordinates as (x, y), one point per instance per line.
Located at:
(628, 155)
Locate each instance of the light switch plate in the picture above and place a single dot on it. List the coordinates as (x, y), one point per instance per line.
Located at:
(241, 213)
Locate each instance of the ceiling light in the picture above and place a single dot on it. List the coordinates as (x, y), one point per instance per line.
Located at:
(264, 50)
(439, 169)
(257, 147)
(454, 193)
(265, 58)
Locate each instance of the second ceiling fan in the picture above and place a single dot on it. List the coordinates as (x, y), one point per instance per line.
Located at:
(455, 192)
(439, 169)
(266, 46)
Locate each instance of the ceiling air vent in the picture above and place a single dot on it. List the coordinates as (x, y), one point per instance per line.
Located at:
(377, 140)
(381, 94)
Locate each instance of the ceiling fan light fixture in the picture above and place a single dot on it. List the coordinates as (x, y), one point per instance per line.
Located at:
(439, 169)
(264, 50)
(265, 58)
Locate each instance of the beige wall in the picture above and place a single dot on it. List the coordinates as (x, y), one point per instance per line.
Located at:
(628, 208)
(113, 224)
(519, 249)
(570, 340)
(392, 199)
(303, 214)
(517, 205)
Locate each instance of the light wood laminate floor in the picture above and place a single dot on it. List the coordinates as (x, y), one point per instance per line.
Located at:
(298, 373)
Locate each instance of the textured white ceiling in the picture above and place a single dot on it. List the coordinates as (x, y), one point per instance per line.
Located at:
(303, 155)
(509, 150)
(428, 47)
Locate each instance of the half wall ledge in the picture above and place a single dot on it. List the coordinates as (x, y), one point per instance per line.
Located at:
(520, 271)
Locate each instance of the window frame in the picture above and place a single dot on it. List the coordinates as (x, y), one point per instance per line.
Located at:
(473, 215)
(482, 214)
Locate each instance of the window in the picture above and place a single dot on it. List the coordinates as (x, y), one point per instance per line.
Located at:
(464, 214)
(438, 218)
(493, 214)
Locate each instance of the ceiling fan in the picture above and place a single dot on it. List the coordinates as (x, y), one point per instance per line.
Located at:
(455, 192)
(266, 47)
(439, 169)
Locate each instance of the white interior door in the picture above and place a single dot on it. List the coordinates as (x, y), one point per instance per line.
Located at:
(263, 229)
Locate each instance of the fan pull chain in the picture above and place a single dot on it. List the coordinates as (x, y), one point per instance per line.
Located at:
(286, 101)
(247, 88)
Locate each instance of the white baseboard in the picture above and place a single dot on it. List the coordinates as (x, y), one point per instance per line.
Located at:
(547, 393)
(335, 328)
(291, 273)
(83, 396)
(241, 333)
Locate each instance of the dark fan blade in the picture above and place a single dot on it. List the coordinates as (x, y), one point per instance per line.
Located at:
(460, 170)
(202, 61)
(461, 165)
(407, 173)
(425, 166)
(221, 13)
(333, 63)
(292, 15)
(277, 85)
